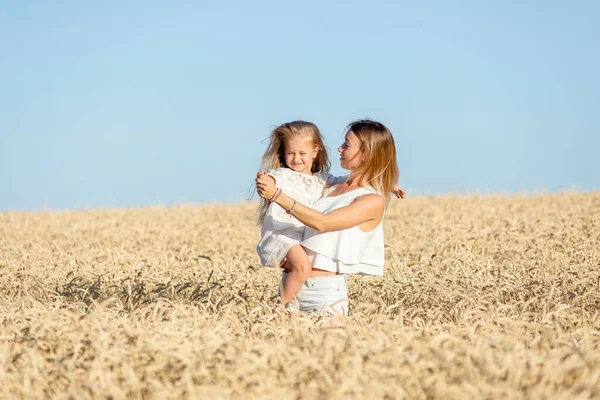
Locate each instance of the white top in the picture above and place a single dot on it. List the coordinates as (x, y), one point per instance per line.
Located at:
(346, 251)
(303, 188)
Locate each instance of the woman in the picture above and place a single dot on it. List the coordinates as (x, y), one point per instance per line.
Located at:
(344, 233)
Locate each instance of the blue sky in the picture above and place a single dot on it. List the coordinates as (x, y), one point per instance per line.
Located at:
(136, 103)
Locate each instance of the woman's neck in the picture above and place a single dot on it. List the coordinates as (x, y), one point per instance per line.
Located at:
(352, 181)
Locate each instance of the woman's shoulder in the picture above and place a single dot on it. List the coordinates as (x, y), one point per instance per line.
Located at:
(373, 198)
(361, 196)
(364, 192)
(367, 199)
(369, 192)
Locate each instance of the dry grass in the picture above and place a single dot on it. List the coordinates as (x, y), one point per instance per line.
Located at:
(483, 297)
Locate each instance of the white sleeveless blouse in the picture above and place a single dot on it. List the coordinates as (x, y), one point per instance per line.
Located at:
(346, 251)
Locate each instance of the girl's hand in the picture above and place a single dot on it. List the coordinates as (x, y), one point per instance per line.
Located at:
(265, 185)
(399, 192)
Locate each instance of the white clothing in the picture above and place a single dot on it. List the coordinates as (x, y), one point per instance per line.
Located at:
(346, 251)
(327, 294)
(280, 230)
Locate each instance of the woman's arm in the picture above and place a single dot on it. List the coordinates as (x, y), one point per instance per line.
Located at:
(366, 211)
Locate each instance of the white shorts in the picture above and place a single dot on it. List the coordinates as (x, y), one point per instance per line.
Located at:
(323, 293)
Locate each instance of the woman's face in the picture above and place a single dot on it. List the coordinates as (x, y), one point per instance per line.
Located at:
(351, 156)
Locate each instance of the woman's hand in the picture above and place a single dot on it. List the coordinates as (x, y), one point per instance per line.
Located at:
(399, 192)
(265, 185)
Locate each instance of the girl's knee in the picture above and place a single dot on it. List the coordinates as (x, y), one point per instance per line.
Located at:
(297, 261)
(306, 268)
(302, 267)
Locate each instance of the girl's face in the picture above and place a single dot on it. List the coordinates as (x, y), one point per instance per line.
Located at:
(300, 153)
(351, 156)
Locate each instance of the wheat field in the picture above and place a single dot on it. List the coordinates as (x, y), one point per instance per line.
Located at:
(483, 296)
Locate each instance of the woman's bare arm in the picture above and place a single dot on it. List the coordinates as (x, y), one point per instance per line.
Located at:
(366, 211)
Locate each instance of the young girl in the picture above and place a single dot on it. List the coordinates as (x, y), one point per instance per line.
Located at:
(297, 161)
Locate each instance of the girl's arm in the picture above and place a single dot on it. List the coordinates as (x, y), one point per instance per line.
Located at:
(399, 192)
(336, 180)
(366, 209)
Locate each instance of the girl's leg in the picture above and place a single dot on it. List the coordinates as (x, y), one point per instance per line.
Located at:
(298, 267)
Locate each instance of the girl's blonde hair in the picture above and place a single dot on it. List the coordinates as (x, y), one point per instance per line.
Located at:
(379, 169)
(274, 156)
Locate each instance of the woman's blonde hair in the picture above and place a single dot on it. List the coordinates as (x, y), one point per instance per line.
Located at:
(379, 169)
(274, 156)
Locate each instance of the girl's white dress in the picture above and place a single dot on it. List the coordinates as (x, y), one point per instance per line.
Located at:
(280, 231)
